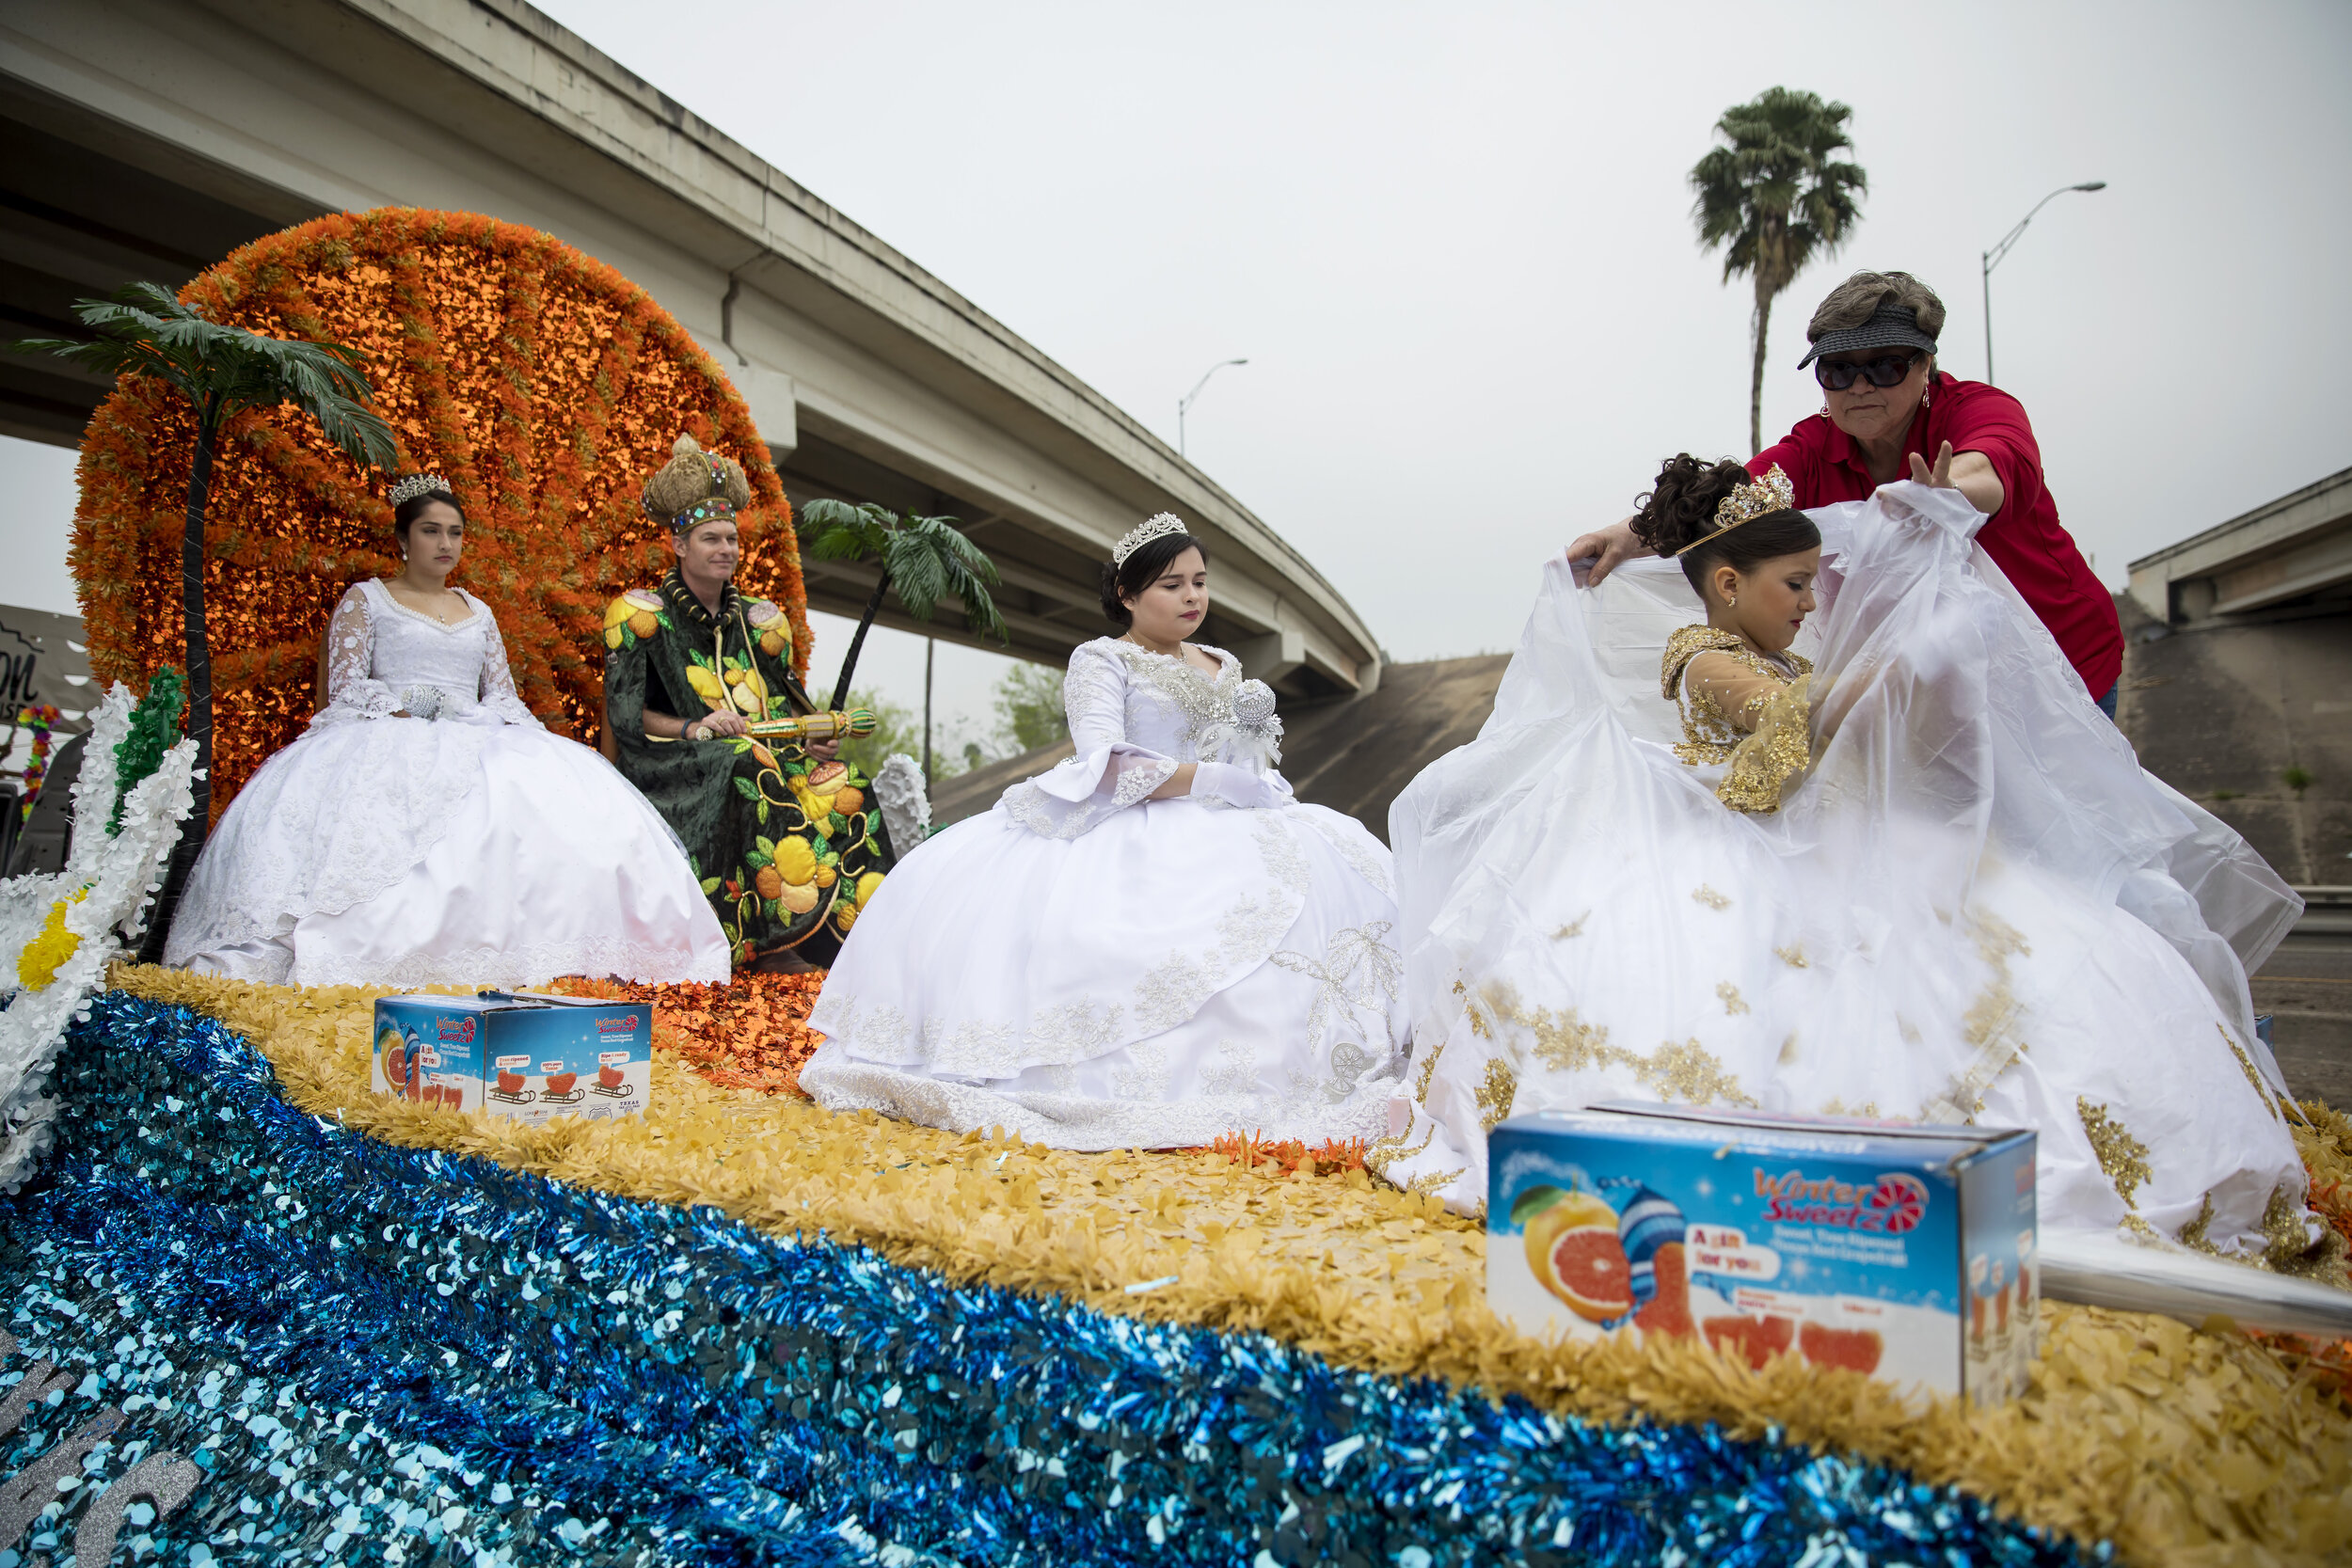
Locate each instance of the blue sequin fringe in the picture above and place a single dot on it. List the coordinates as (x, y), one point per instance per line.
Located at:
(378, 1354)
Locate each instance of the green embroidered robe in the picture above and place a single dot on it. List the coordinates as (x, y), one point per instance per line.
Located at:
(788, 850)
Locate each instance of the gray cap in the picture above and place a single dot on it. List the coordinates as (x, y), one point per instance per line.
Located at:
(1891, 326)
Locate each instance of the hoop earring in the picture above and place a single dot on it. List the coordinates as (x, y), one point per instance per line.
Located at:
(1825, 409)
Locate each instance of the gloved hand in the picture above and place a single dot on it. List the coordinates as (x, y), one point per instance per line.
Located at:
(1239, 786)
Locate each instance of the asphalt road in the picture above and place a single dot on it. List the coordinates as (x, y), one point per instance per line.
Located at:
(2307, 988)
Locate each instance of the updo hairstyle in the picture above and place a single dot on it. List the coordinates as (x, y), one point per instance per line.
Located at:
(1682, 506)
(407, 512)
(677, 495)
(1142, 569)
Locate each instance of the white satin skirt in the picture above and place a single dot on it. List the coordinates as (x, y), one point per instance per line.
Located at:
(519, 856)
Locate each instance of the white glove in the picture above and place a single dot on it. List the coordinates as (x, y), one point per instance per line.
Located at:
(1239, 786)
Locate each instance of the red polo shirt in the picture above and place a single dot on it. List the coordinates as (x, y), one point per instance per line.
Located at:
(2024, 538)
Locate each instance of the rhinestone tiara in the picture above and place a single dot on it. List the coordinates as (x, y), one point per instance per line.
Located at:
(1771, 493)
(414, 485)
(1157, 527)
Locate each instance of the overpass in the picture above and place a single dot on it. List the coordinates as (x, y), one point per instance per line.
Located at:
(147, 139)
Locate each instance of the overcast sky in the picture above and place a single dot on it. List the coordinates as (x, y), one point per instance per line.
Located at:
(1455, 244)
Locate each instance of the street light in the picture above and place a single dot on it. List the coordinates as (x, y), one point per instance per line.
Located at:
(1993, 259)
(1186, 401)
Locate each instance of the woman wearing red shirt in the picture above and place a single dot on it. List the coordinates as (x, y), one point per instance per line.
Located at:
(1873, 352)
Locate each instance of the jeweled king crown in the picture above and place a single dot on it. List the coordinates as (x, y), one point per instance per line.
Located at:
(1156, 527)
(409, 488)
(1771, 493)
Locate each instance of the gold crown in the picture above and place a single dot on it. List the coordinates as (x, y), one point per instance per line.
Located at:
(1773, 492)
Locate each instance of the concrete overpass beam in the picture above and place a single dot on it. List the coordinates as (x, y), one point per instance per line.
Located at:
(1272, 657)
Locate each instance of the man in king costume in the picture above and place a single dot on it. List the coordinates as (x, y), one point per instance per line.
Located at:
(782, 832)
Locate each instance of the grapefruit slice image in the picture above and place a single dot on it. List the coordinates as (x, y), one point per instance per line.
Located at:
(1758, 1339)
(395, 1060)
(1589, 1271)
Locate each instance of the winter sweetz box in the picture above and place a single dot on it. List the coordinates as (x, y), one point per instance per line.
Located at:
(1904, 1252)
(516, 1053)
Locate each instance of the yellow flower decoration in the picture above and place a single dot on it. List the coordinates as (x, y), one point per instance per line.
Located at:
(38, 965)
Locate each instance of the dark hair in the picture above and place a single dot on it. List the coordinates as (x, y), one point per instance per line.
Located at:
(408, 510)
(1142, 569)
(1681, 508)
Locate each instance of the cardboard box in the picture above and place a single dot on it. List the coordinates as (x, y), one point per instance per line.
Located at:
(518, 1055)
(1904, 1252)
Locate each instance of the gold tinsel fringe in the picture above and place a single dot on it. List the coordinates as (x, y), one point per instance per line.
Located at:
(2179, 1445)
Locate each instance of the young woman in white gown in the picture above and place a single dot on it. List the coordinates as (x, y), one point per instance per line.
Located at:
(426, 828)
(1918, 876)
(1147, 946)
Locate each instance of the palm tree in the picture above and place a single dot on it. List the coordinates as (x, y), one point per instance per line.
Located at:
(926, 559)
(222, 370)
(1772, 198)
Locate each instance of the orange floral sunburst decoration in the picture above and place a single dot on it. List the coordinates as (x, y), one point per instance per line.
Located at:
(544, 386)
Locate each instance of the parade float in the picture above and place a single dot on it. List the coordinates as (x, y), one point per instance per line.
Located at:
(262, 1313)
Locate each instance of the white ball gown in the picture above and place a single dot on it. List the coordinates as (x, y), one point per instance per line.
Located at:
(468, 847)
(1094, 970)
(1975, 908)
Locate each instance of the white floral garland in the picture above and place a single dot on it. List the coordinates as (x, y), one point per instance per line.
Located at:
(101, 899)
(906, 805)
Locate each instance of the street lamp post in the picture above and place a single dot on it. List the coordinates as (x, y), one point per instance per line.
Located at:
(1186, 401)
(1993, 259)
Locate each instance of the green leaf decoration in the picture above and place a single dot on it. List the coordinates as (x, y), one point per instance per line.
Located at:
(710, 885)
(1532, 1202)
(762, 814)
(767, 847)
(154, 727)
(743, 787)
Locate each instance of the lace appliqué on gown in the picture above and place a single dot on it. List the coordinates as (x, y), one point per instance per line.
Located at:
(1708, 735)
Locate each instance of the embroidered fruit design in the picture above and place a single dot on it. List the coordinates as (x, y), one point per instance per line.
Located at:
(706, 684)
(769, 884)
(637, 609)
(868, 886)
(1573, 1250)
(800, 899)
(824, 876)
(795, 862)
(845, 916)
(848, 801)
(773, 632)
(560, 1082)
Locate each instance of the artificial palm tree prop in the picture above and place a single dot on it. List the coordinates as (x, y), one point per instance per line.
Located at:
(1773, 199)
(926, 559)
(223, 370)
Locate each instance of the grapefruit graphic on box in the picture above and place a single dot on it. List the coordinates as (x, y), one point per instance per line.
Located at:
(1852, 1249)
(516, 1053)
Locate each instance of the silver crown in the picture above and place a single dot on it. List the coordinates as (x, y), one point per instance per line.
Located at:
(1158, 527)
(414, 485)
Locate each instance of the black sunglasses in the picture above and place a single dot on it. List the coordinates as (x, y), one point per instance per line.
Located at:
(1886, 371)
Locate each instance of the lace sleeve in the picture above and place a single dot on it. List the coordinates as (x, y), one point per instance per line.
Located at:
(1108, 773)
(497, 692)
(1737, 692)
(1778, 748)
(352, 689)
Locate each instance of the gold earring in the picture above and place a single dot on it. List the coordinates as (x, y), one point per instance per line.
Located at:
(1825, 409)
(1731, 604)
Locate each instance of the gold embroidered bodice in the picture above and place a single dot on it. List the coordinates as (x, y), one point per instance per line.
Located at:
(1740, 707)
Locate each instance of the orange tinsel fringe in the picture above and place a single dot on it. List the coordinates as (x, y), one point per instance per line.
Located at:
(751, 1033)
(1331, 1157)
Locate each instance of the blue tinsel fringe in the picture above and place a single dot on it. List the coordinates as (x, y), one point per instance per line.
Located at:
(380, 1354)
